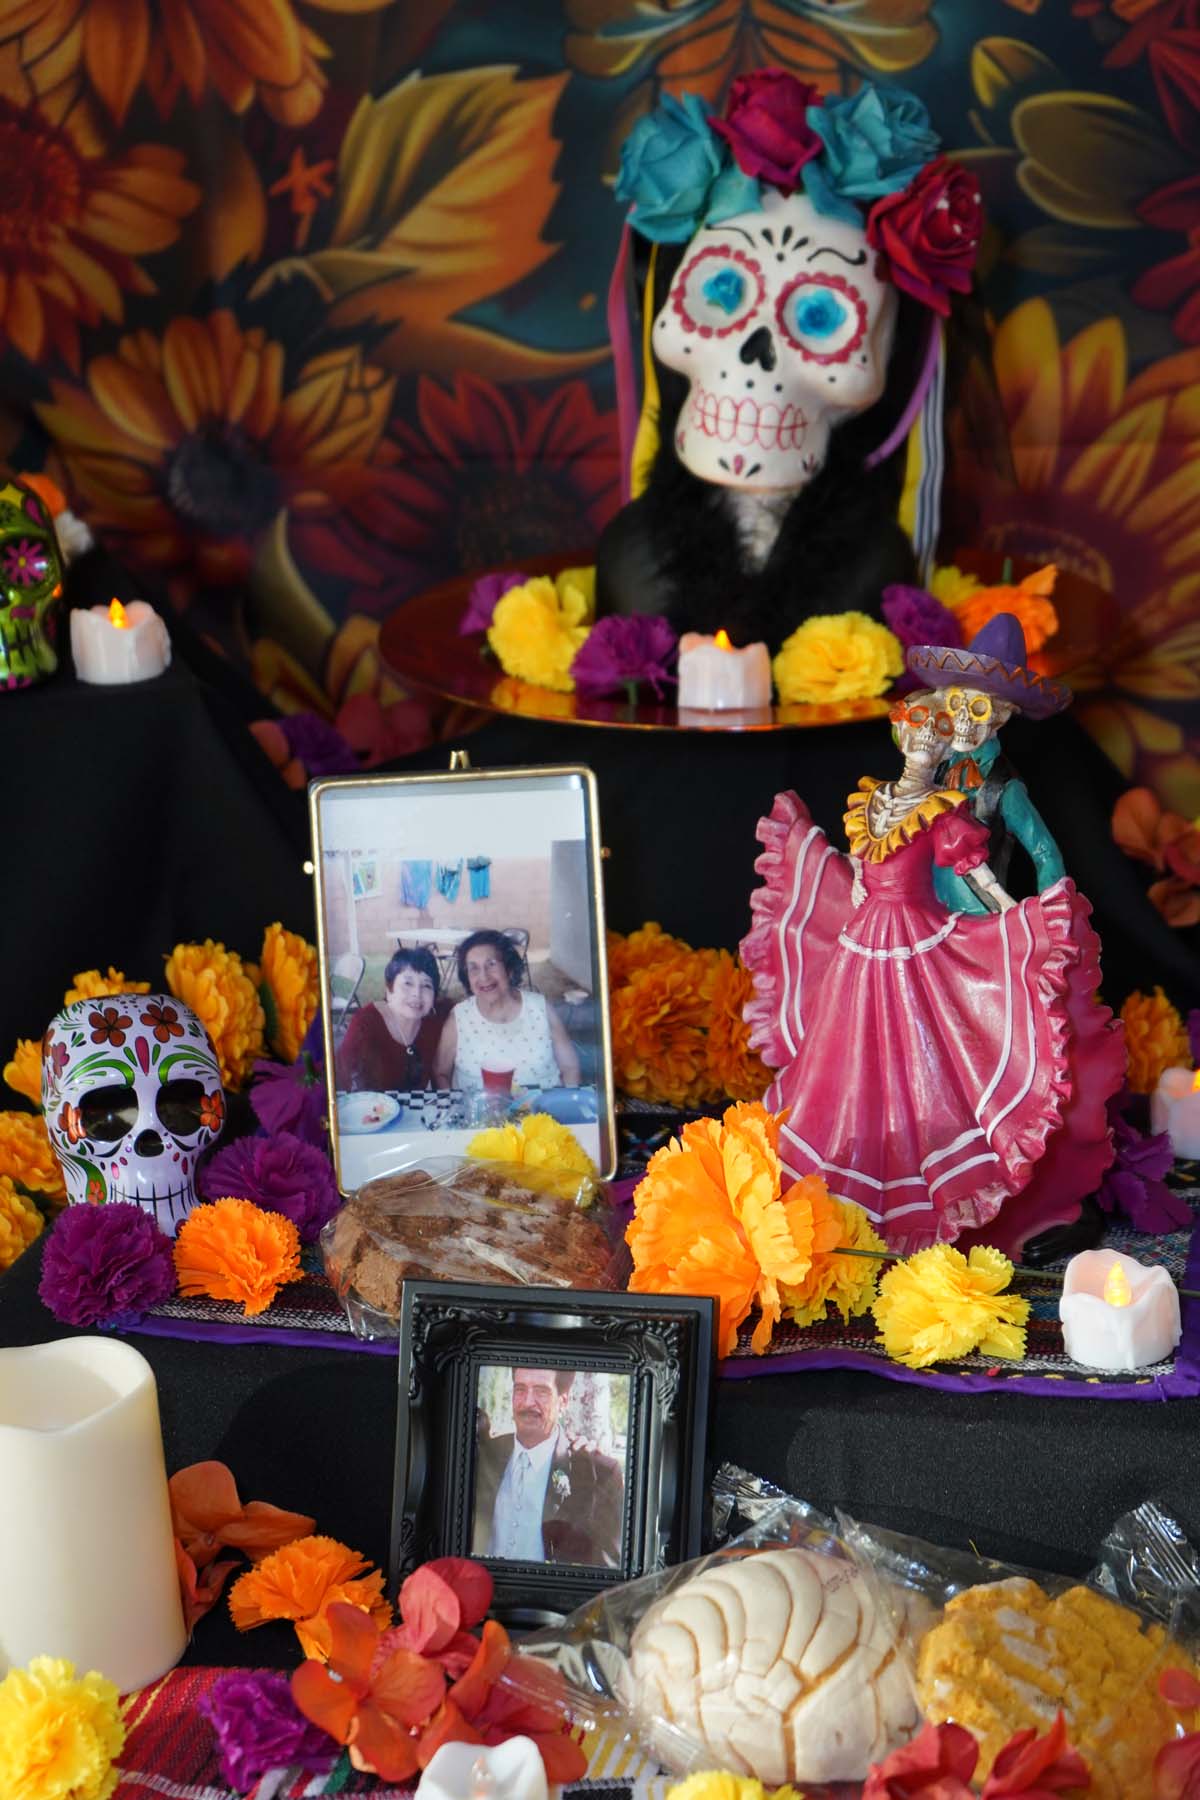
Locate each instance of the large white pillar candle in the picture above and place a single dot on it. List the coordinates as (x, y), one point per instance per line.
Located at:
(114, 644)
(1175, 1109)
(714, 677)
(87, 1557)
(513, 1770)
(1116, 1313)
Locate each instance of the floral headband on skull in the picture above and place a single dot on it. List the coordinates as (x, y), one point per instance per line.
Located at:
(871, 156)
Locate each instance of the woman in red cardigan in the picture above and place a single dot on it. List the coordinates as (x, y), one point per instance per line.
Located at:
(390, 1043)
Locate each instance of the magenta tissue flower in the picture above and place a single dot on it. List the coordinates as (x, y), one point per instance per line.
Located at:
(281, 1174)
(917, 618)
(622, 653)
(766, 126)
(105, 1265)
(291, 1097)
(483, 598)
(259, 1727)
(1134, 1184)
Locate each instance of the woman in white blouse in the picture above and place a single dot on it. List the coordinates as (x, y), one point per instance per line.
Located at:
(501, 1025)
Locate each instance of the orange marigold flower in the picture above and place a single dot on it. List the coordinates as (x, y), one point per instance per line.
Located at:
(187, 447)
(300, 1581)
(242, 50)
(1029, 600)
(90, 984)
(224, 996)
(734, 1070)
(234, 1250)
(710, 1218)
(27, 1156)
(23, 1072)
(846, 1282)
(1155, 1039)
(20, 1223)
(659, 1023)
(289, 977)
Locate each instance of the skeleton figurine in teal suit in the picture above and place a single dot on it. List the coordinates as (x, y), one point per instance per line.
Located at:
(980, 688)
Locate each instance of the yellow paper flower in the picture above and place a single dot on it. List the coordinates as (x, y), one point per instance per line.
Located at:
(846, 1282)
(212, 981)
(289, 973)
(539, 1142)
(58, 1735)
(536, 630)
(710, 1786)
(1155, 1039)
(837, 656)
(90, 984)
(20, 1223)
(27, 1156)
(576, 589)
(735, 1071)
(234, 1250)
(941, 1304)
(24, 1072)
(952, 585)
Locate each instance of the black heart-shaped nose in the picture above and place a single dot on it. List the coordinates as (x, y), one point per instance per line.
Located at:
(759, 348)
(147, 1143)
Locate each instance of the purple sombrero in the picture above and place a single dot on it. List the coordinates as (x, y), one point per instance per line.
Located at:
(993, 661)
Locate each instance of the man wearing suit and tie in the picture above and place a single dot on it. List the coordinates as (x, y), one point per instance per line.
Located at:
(538, 1496)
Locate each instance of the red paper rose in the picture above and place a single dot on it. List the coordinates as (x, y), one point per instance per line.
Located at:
(937, 1765)
(766, 126)
(930, 233)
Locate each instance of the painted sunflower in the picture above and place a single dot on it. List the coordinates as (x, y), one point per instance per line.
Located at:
(75, 218)
(1101, 479)
(242, 50)
(187, 446)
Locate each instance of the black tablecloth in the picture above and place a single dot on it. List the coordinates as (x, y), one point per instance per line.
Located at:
(1037, 1481)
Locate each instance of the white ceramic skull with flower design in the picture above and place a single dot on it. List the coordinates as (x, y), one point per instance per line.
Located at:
(132, 1094)
(782, 322)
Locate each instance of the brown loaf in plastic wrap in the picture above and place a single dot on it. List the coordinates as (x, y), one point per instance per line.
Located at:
(488, 1222)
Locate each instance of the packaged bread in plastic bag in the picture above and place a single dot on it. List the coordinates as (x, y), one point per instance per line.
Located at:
(467, 1220)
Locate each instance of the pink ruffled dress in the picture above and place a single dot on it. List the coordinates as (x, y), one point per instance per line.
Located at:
(949, 1074)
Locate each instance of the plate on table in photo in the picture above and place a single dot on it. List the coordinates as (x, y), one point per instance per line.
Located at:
(570, 1106)
(366, 1112)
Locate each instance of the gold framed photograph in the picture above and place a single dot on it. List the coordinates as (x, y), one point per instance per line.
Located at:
(460, 925)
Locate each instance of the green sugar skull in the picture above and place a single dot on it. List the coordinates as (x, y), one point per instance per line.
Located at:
(31, 574)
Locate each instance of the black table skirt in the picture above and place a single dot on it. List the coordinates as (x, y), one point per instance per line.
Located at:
(1036, 1481)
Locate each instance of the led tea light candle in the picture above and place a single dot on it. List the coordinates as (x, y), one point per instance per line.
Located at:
(715, 677)
(1175, 1109)
(1116, 1313)
(114, 643)
(512, 1771)
(87, 1557)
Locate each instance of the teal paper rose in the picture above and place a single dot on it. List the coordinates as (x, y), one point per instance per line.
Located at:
(670, 163)
(874, 143)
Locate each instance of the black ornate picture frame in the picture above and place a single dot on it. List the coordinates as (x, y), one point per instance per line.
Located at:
(656, 1350)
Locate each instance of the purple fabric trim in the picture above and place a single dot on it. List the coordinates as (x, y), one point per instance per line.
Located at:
(621, 339)
(933, 332)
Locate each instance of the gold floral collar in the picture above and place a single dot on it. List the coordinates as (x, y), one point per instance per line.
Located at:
(867, 845)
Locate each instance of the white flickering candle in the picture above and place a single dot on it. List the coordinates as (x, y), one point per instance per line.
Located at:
(87, 1558)
(715, 677)
(512, 1771)
(116, 643)
(1175, 1109)
(1116, 1313)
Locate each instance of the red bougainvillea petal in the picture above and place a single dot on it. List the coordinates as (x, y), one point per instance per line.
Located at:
(937, 1765)
(471, 1690)
(262, 1528)
(408, 1688)
(563, 1757)
(1177, 1770)
(430, 1610)
(324, 1699)
(1030, 1766)
(1179, 1689)
(447, 1726)
(203, 1497)
(353, 1641)
(380, 1746)
(459, 1654)
(199, 1595)
(471, 1582)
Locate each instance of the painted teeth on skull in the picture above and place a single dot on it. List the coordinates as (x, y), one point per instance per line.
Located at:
(747, 422)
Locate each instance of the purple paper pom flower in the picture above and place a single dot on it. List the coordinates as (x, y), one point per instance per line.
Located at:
(917, 618)
(259, 1727)
(1134, 1184)
(483, 598)
(291, 1097)
(319, 745)
(623, 652)
(105, 1265)
(282, 1174)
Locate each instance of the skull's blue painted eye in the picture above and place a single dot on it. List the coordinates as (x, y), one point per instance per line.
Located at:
(727, 289)
(819, 314)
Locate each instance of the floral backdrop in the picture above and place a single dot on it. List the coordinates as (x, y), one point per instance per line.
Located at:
(303, 300)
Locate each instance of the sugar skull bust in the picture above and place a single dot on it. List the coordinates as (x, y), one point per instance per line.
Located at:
(31, 574)
(805, 254)
(132, 1094)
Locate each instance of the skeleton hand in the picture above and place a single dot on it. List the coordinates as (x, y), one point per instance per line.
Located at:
(985, 880)
(858, 890)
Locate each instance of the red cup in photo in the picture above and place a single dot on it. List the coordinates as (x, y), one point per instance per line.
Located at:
(496, 1080)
